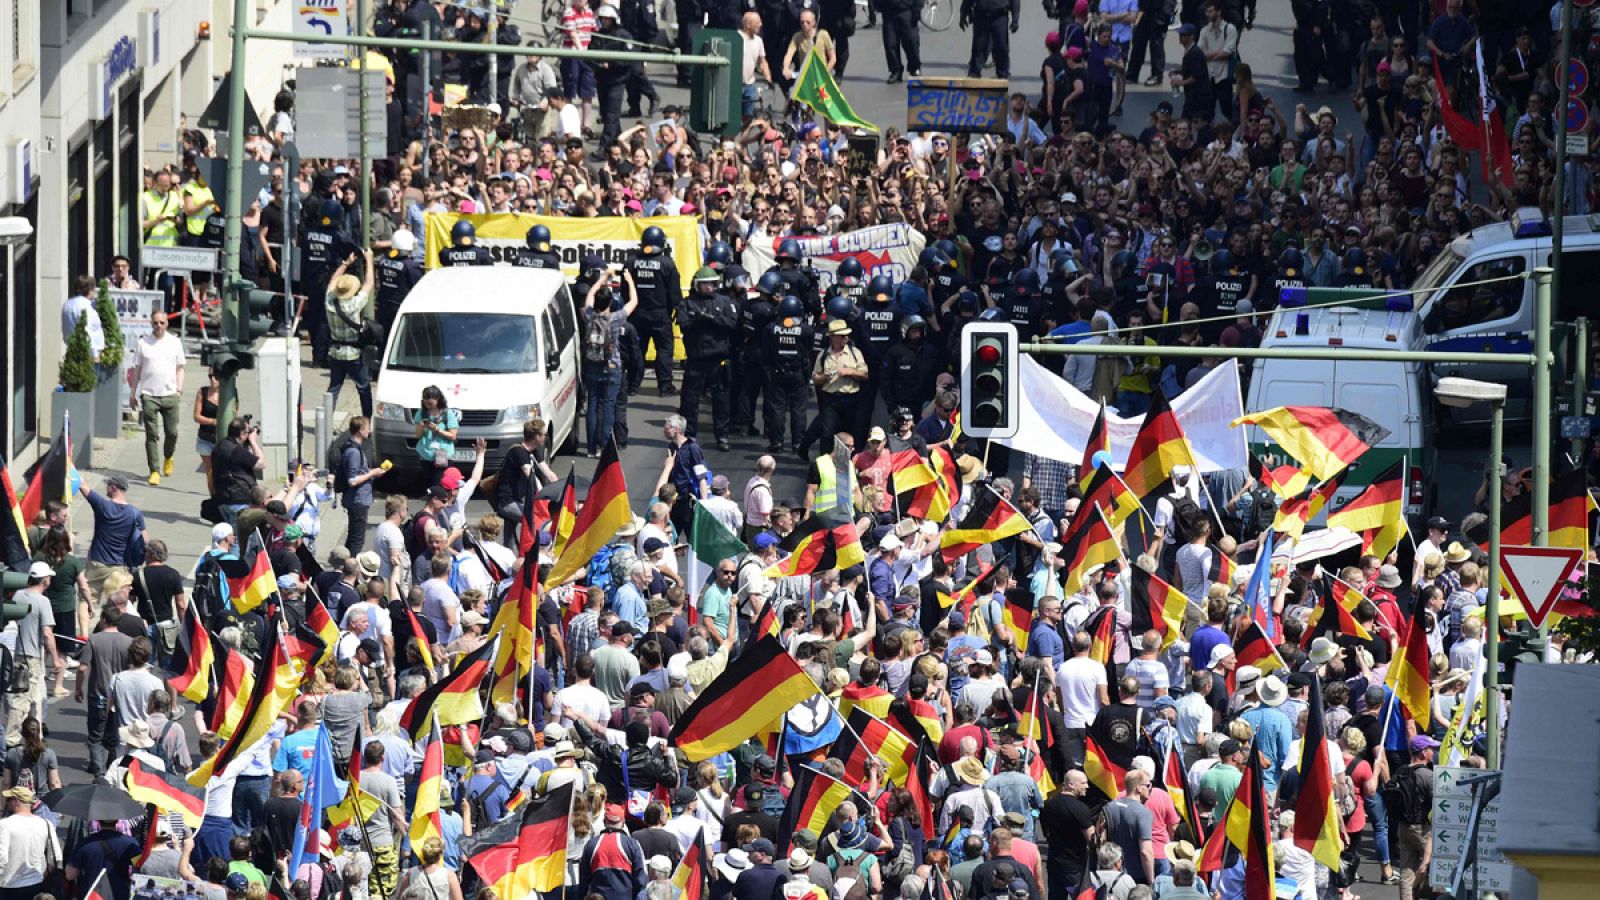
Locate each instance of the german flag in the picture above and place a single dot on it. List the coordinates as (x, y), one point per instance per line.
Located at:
(1408, 674)
(919, 492)
(192, 658)
(1569, 515)
(871, 698)
(763, 683)
(322, 624)
(1157, 447)
(515, 624)
(926, 716)
(1245, 831)
(864, 737)
(421, 637)
(453, 699)
(166, 791)
(918, 778)
(1102, 627)
(425, 816)
(1089, 542)
(1285, 481)
(1222, 567)
(989, 518)
(692, 879)
(235, 682)
(149, 836)
(767, 620)
(1157, 606)
(1378, 513)
(967, 596)
(1018, 616)
(1317, 827)
(566, 517)
(1323, 440)
(812, 801)
(1099, 440)
(13, 527)
(277, 681)
(605, 510)
(945, 470)
(524, 854)
(1331, 617)
(818, 547)
(1293, 515)
(96, 891)
(1110, 494)
(51, 477)
(1252, 647)
(1032, 721)
(1174, 780)
(1106, 775)
(250, 578)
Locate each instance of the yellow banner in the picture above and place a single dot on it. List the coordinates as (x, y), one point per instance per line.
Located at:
(610, 237)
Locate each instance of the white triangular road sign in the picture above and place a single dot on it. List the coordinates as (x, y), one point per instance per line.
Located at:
(1537, 575)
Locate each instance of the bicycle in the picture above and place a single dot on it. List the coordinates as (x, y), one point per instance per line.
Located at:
(939, 15)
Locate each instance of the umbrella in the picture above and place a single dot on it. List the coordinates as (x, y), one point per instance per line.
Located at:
(1318, 544)
(97, 802)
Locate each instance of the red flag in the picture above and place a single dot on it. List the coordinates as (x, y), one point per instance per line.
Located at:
(1461, 129)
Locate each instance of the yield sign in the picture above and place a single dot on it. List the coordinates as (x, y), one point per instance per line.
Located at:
(1537, 575)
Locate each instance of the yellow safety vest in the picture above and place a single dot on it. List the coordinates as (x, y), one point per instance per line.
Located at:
(197, 223)
(162, 234)
(826, 499)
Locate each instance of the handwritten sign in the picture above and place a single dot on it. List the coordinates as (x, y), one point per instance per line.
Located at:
(862, 156)
(956, 104)
(134, 308)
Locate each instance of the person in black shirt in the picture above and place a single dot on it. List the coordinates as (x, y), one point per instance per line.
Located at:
(1066, 824)
(236, 464)
(524, 473)
(754, 795)
(1194, 77)
(283, 808)
(464, 249)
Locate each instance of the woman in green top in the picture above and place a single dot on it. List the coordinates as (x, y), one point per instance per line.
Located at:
(68, 592)
(436, 430)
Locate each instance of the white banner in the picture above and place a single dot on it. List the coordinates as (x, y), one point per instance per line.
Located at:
(1056, 419)
(890, 250)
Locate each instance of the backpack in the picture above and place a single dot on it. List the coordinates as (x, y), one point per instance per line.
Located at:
(1186, 519)
(1405, 797)
(849, 882)
(599, 339)
(416, 534)
(1345, 795)
(208, 590)
(335, 462)
(773, 801)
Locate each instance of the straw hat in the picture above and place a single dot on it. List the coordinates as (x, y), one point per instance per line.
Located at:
(136, 734)
(1178, 851)
(1456, 554)
(1432, 564)
(1272, 691)
(1323, 651)
(970, 770)
(345, 286)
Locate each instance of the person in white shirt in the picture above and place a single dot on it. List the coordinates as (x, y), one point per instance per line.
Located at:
(581, 696)
(724, 509)
(758, 494)
(656, 527)
(157, 378)
(29, 848)
(81, 304)
(1082, 683)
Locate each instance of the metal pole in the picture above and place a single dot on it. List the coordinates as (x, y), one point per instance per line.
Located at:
(1337, 353)
(1541, 407)
(375, 43)
(1557, 228)
(366, 155)
(233, 204)
(427, 100)
(494, 58)
(1580, 378)
(1491, 613)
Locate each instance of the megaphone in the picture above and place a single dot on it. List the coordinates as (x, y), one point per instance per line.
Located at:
(1203, 250)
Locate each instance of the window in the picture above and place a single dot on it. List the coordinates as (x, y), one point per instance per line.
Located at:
(465, 344)
(1471, 303)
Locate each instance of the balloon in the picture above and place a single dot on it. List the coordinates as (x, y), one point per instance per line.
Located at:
(1101, 458)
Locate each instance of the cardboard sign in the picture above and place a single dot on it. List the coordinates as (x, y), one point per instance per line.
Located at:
(862, 158)
(956, 104)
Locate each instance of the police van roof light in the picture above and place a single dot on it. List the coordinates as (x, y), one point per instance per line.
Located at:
(1292, 296)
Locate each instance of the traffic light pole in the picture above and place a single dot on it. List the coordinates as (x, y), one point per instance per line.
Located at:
(233, 208)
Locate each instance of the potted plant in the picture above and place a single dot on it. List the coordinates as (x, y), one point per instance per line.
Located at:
(111, 383)
(74, 397)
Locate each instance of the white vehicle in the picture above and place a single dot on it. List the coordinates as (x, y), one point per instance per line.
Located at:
(1391, 394)
(500, 342)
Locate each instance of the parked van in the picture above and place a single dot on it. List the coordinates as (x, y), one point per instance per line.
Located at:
(1392, 394)
(500, 342)
(1461, 314)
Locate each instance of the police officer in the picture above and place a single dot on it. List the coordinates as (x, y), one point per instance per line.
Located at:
(1291, 273)
(639, 17)
(1312, 29)
(787, 346)
(755, 315)
(796, 281)
(710, 321)
(323, 248)
(629, 348)
(612, 78)
(877, 330)
(540, 253)
(1220, 290)
(656, 278)
(988, 21)
(464, 249)
(1025, 304)
(912, 365)
(719, 256)
(849, 280)
(946, 278)
(1355, 273)
(398, 272)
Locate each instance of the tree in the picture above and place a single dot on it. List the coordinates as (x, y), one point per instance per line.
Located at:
(1583, 632)
(116, 341)
(77, 364)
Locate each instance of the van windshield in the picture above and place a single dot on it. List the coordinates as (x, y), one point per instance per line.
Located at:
(465, 343)
(1436, 272)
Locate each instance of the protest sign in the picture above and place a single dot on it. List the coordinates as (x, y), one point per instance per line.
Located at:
(882, 250)
(956, 104)
(610, 237)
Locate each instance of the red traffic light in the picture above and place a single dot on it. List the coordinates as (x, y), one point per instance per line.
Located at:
(987, 352)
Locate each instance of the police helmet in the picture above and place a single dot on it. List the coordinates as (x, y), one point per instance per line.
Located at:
(1123, 262)
(330, 210)
(932, 259)
(949, 249)
(910, 322)
(790, 307)
(539, 238)
(1221, 262)
(789, 250)
(850, 271)
(840, 307)
(770, 284)
(462, 233)
(1025, 282)
(653, 239)
(718, 254)
(707, 275)
(881, 287)
(1291, 260)
(1355, 261)
(592, 263)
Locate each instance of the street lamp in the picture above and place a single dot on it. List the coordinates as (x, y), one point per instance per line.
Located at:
(1464, 392)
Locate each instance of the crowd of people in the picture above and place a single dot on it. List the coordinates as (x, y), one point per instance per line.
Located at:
(1074, 225)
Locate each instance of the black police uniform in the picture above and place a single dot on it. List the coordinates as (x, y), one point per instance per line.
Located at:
(1284, 278)
(396, 274)
(877, 330)
(710, 327)
(628, 347)
(529, 258)
(323, 248)
(901, 34)
(1025, 311)
(989, 20)
(470, 255)
(611, 79)
(787, 347)
(655, 277)
(945, 283)
(755, 314)
(1358, 277)
(911, 369)
(801, 284)
(1222, 293)
(639, 17)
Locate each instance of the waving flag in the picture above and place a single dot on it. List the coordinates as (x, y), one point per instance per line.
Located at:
(166, 791)
(1245, 830)
(1258, 590)
(1378, 513)
(453, 699)
(1294, 515)
(1106, 775)
(192, 658)
(250, 578)
(811, 803)
(1157, 448)
(1331, 617)
(323, 790)
(1018, 616)
(1317, 827)
(13, 527)
(277, 681)
(1285, 481)
(864, 737)
(871, 698)
(1088, 544)
(52, 477)
(1157, 606)
(425, 817)
(1099, 440)
(521, 855)
(920, 493)
(1408, 673)
(818, 547)
(816, 88)
(989, 518)
(763, 683)
(605, 510)
(691, 880)
(515, 625)
(1323, 440)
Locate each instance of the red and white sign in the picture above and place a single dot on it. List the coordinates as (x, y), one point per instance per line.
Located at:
(1537, 575)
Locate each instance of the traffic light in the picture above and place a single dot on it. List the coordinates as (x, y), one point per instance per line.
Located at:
(249, 315)
(990, 395)
(227, 359)
(10, 583)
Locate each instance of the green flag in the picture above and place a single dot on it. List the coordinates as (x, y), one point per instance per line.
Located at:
(816, 88)
(710, 542)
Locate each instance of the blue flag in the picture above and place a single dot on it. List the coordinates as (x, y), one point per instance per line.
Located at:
(1258, 593)
(323, 789)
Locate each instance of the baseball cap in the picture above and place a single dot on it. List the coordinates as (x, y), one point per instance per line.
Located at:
(41, 569)
(877, 434)
(1188, 29)
(289, 582)
(889, 543)
(117, 481)
(958, 620)
(276, 508)
(293, 533)
(221, 532)
(236, 883)
(766, 539)
(370, 647)
(438, 492)
(451, 479)
(1228, 748)
(620, 628)
(1422, 742)
(1165, 703)
(683, 796)
(759, 845)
